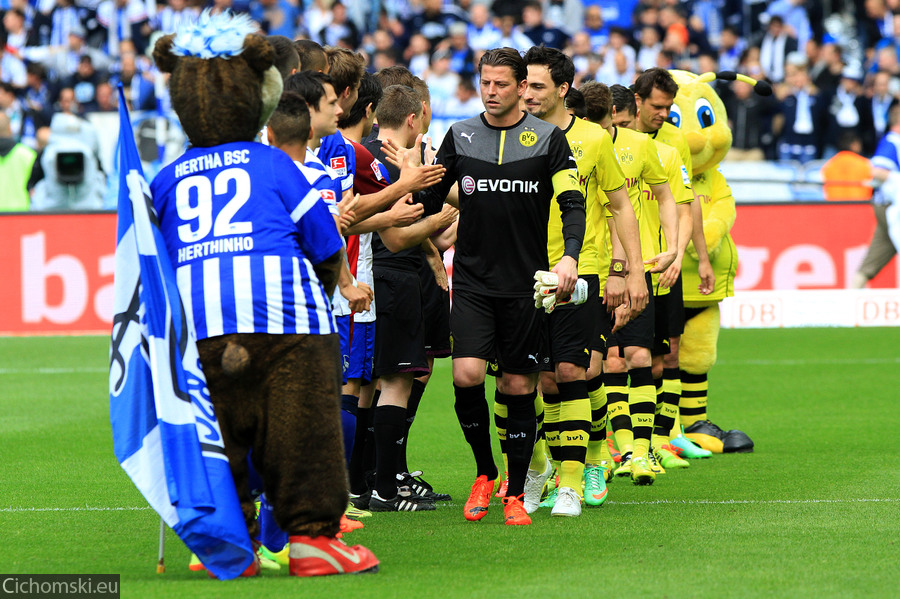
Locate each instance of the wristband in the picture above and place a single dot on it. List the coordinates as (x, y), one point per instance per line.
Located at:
(617, 268)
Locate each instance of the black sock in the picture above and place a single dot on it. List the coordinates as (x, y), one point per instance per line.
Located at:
(472, 412)
(357, 466)
(521, 432)
(390, 427)
(369, 462)
(412, 406)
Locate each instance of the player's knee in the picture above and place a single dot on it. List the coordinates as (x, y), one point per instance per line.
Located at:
(567, 372)
(638, 357)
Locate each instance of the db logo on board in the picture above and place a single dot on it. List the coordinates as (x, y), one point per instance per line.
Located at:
(878, 311)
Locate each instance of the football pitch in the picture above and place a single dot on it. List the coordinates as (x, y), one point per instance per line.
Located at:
(814, 512)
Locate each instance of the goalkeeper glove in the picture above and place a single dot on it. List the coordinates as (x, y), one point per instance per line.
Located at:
(545, 288)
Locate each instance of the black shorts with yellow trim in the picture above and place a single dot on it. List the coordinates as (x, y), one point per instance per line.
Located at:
(507, 330)
(640, 331)
(570, 329)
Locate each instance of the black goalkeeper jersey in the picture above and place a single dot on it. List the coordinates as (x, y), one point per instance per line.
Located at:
(506, 180)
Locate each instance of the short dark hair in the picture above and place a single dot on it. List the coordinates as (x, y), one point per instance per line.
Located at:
(290, 122)
(575, 103)
(395, 75)
(505, 57)
(370, 92)
(562, 70)
(399, 102)
(286, 57)
(345, 67)
(421, 88)
(623, 99)
(311, 55)
(308, 84)
(596, 100)
(655, 77)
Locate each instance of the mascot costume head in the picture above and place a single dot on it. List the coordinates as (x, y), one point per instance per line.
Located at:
(700, 114)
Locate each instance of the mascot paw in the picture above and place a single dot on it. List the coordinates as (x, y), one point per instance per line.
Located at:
(235, 359)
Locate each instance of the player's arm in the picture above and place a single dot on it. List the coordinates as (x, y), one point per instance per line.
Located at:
(402, 213)
(358, 294)
(572, 211)
(412, 180)
(668, 220)
(436, 263)
(624, 229)
(685, 230)
(704, 266)
(445, 239)
(401, 238)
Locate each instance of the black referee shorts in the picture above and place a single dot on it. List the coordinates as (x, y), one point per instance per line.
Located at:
(508, 330)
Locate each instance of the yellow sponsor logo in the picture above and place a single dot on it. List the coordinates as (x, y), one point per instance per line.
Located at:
(528, 138)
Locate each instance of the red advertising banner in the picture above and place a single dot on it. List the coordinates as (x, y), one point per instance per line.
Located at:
(57, 269)
(805, 246)
(57, 273)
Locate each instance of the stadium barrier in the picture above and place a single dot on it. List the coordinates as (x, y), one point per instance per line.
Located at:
(795, 262)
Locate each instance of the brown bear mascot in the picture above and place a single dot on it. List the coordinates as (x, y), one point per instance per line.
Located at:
(257, 255)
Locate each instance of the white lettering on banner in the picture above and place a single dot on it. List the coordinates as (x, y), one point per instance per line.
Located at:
(36, 270)
(803, 266)
(751, 266)
(878, 311)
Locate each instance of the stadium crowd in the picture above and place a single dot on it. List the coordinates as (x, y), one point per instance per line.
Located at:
(835, 64)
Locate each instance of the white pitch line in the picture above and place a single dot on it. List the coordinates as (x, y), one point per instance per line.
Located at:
(11, 510)
(823, 361)
(53, 370)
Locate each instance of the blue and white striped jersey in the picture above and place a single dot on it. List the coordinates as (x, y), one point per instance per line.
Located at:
(323, 179)
(337, 153)
(243, 228)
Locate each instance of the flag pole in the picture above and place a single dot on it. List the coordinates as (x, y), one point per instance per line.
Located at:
(161, 566)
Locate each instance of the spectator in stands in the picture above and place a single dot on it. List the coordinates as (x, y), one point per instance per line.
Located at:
(66, 103)
(12, 69)
(462, 57)
(886, 61)
(617, 13)
(619, 59)
(84, 82)
(107, 99)
(12, 109)
(708, 16)
(538, 31)
(276, 17)
(563, 14)
(802, 115)
(418, 54)
(433, 21)
(139, 92)
(55, 27)
(774, 49)
(341, 31)
(877, 24)
(826, 70)
(847, 176)
(37, 95)
(731, 45)
(442, 82)
(511, 36)
(123, 20)
(750, 120)
(849, 111)
(648, 51)
(174, 15)
(62, 61)
(482, 33)
(883, 93)
(596, 28)
(794, 16)
(466, 103)
(16, 163)
(16, 31)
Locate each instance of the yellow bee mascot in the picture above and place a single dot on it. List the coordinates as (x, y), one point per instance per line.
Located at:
(700, 114)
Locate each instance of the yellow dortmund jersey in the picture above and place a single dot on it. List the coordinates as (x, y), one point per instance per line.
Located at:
(680, 184)
(640, 162)
(598, 170)
(715, 198)
(671, 135)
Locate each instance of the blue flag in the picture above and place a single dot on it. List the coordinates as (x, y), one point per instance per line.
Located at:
(165, 432)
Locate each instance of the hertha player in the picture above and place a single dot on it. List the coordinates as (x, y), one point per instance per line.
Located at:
(509, 166)
(571, 327)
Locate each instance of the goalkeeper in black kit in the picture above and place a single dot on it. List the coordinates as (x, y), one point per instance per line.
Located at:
(509, 166)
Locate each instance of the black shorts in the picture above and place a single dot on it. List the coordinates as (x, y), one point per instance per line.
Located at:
(661, 343)
(603, 322)
(400, 332)
(640, 331)
(675, 306)
(508, 330)
(570, 329)
(436, 309)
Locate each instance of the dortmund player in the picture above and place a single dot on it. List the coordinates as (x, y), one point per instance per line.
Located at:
(654, 92)
(669, 314)
(567, 418)
(630, 350)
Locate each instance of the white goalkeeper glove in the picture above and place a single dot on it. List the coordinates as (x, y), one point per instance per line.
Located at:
(545, 287)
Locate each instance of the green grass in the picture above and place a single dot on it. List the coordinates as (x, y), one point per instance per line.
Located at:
(814, 512)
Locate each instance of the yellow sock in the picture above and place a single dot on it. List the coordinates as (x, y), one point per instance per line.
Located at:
(642, 405)
(574, 430)
(619, 416)
(551, 424)
(597, 441)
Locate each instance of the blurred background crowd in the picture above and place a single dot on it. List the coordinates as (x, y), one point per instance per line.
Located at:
(834, 65)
